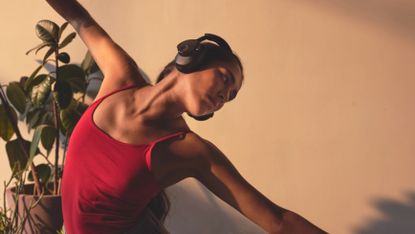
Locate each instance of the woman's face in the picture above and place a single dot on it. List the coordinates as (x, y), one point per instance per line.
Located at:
(210, 88)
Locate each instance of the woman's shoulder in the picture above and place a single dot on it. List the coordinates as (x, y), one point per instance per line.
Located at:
(190, 146)
(178, 158)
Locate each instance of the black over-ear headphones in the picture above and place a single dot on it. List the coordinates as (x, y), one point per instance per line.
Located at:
(192, 54)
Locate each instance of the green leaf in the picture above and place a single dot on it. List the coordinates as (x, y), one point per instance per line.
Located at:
(34, 81)
(74, 75)
(35, 141)
(81, 107)
(18, 158)
(43, 46)
(87, 61)
(61, 29)
(48, 137)
(33, 118)
(60, 171)
(41, 92)
(67, 40)
(6, 127)
(38, 47)
(31, 77)
(64, 57)
(88, 64)
(71, 115)
(62, 93)
(47, 31)
(16, 96)
(41, 120)
(43, 172)
(49, 53)
(45, 118)
(22, 83)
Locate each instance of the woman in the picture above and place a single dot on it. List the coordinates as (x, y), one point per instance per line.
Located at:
(132, 142)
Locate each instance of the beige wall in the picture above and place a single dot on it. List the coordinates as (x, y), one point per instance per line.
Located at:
(324, 124)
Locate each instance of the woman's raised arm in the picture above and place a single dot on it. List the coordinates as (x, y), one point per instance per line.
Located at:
(118, 67)
(218, 174)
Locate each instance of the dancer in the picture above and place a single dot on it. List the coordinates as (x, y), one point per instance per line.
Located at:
(132, 142)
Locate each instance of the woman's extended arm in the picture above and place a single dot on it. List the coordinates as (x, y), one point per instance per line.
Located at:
(218, 174)
(117, 66)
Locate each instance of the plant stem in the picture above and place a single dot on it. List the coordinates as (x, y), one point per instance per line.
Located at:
(46, 158)
(56, 115)
(63, 158)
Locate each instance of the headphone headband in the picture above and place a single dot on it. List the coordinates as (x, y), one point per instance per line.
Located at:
(219, 40)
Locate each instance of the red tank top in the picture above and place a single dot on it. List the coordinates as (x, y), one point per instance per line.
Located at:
(106, 183)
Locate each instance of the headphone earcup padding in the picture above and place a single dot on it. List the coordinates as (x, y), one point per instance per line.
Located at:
(192, 60)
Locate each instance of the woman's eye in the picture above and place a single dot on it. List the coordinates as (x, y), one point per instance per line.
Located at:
(225, 79)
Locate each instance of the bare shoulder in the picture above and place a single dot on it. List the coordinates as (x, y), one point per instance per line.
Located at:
(192, 145)
(194, 148)
(189, 148)
(179, 158)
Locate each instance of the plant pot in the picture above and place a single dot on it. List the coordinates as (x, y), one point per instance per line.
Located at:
(44, 218)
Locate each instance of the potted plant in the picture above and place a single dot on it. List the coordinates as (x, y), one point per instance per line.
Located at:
(49, 103)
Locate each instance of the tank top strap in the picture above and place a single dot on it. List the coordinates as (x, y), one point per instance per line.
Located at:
(114, 91)
(168, 136)
(153, 143)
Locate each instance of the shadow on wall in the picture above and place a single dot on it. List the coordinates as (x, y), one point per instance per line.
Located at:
(194, 209)
(398, 218)
(396, 16)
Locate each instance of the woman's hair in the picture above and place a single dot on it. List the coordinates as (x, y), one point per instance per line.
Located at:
(160, 205)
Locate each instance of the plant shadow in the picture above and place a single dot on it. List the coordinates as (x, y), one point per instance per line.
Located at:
(398, 217)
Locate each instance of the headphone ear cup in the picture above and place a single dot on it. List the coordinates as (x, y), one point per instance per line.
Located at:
(187, 47)
(190, 56)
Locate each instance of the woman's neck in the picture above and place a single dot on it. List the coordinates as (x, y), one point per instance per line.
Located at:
(163, 100)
